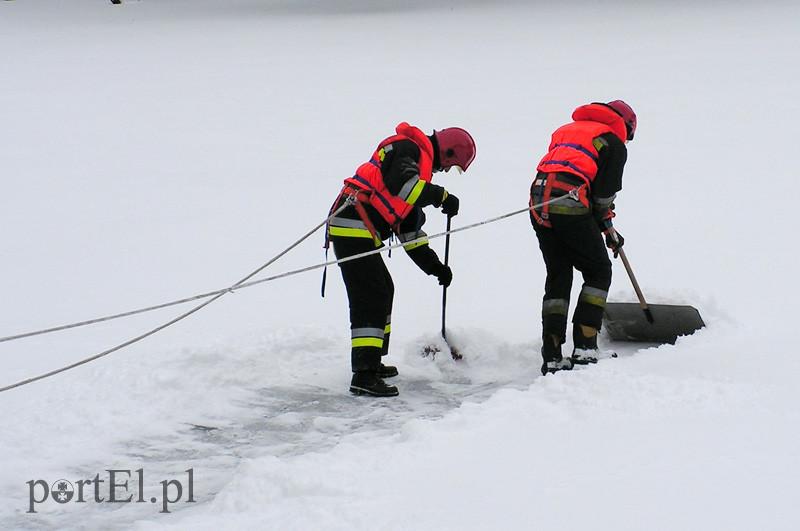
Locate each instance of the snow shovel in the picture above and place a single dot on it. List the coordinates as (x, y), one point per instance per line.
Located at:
(431, 350)
(646, 323)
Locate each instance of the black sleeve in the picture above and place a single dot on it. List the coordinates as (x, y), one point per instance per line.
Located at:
(400, 170)
(425, 258)
(421, 253)
(612, 155)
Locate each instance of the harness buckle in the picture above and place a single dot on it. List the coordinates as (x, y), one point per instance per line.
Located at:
(574, 193)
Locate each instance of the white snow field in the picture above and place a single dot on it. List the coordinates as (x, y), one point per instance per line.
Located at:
(159, 149)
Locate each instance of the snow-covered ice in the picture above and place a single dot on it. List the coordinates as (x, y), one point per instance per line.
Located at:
(160, 149)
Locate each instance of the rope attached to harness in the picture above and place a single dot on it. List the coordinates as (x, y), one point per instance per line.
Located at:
(246, 283)
(214, 296)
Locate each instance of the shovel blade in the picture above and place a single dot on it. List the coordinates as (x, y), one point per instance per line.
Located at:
(626, 321)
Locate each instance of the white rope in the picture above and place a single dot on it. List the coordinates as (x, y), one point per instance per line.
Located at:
(171, 303)
(216, 295)
(245, 284)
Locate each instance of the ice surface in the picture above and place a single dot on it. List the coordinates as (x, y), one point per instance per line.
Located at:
(159, 149)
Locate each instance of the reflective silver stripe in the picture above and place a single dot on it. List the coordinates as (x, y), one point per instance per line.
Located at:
(411, 236)
(604, 201)
(594, 292)
(407, 188)
(387, 148)
(555, 306)
(349, 223)
(366, 332)
(408, 236)
(594, 296)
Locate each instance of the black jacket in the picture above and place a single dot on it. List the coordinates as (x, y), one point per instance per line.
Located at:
(400, 165)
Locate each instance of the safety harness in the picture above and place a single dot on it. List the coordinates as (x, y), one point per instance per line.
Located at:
(543, 191)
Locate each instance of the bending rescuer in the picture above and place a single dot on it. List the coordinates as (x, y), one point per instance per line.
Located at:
(584, 166)
(388, 193)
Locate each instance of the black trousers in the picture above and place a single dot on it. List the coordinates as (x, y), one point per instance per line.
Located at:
(370, 292)
(573, 242)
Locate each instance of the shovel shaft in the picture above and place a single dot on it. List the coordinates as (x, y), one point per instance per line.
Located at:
(642, 302)
(453, 351)
(444, 305)
(444, 288)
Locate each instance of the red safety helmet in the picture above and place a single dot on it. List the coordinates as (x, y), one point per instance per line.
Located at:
(456, 148)
(624, 110)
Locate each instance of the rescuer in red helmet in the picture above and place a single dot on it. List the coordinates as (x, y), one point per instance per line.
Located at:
(390, 191)
(585, 157)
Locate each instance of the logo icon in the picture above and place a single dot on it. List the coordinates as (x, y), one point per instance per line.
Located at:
(62, 491)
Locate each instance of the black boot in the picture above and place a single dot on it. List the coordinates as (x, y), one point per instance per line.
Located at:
(586, 350)
(387, 371)
(368, 383)
(552, 359)
(560, 364)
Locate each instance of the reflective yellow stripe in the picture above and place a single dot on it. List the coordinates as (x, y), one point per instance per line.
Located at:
(367, 342)
(414, 195)
(593, 300)
(388, 329)
(599, 143)
(411, 246)
(348, 232)
(594, 296)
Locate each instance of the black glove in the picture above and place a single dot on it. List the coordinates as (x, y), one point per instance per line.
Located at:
(611, 243)
(450, 205)
(445, 275)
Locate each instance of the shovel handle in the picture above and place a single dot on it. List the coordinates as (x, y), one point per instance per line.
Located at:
(642, 302)
(444, 288)
(453, 351)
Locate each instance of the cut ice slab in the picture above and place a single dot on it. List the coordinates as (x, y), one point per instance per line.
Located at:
(430, 351)
(625, 321)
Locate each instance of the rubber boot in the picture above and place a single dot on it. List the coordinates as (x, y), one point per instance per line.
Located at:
(368, 383)
(586, 350)
(552, 359)
(387, 371)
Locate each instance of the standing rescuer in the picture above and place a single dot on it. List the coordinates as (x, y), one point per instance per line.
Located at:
(387, 195)
(584, 166)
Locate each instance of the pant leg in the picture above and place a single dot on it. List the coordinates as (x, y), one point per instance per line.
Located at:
(557, 287)
(368, 294)
(586, 251)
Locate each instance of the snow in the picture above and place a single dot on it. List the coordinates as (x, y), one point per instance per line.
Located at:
(156, 150)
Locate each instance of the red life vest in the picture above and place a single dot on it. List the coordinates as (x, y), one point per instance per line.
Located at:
(572, 149)
(368, 176)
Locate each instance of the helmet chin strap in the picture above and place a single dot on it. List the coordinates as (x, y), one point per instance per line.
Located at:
(456, 166)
